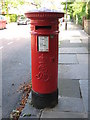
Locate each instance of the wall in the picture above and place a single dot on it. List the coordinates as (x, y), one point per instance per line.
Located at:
(87, 26)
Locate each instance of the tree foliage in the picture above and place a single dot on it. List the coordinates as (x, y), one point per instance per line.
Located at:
(80, 9)
(37, 3)
(45, 3)
(88, 9)
(10, 3)
(69, 8)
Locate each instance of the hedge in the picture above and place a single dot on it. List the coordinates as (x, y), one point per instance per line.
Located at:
(11, 18)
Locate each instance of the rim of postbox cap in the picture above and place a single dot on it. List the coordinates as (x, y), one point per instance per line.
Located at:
(44, 13)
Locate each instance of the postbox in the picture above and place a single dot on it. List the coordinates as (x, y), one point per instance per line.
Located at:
(44, 57)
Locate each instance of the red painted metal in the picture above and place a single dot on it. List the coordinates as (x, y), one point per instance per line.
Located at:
(2, 22)
(44, 64)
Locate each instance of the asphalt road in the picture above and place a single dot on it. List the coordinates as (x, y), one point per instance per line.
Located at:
(15, 48)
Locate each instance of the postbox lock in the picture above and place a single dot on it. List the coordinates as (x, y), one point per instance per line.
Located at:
(43, 43)
(51, 36)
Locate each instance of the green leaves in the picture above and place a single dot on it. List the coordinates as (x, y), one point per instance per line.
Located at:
(26, 115)
(88, 9)
(78, 9)
(37, 3)
(11, 3)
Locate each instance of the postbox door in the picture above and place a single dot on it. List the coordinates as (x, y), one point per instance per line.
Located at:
(45, 60)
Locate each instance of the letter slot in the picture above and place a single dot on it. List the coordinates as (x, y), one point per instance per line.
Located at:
(42, 27)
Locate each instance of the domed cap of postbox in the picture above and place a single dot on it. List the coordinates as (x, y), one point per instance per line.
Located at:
(44, 13)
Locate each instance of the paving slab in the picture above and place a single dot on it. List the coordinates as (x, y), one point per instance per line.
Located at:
(73, 38)
(89, 39)
(85, 40)
(73, 50)
(75, 41)
(73, 71)
(83, 58)
(84, 91)
(67, 59)
(88, 94)
(29, 111)
(69, 88)
(52, 114)
(65, 41)
(88, 114)
(66, 108)
(74, 45)
(68, 104)
(71, 33)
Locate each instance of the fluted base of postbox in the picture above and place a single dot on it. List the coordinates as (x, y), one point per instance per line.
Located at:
(41, 101)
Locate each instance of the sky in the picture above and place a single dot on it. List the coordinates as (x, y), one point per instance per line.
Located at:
(46, 3)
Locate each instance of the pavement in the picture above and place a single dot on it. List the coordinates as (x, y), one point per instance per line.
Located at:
(72, 77)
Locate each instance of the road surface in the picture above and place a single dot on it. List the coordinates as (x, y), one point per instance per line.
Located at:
(15, 50)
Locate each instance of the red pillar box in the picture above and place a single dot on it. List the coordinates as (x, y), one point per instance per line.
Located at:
(44, 57)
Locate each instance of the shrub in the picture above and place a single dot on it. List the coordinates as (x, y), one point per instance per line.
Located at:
(11, 18)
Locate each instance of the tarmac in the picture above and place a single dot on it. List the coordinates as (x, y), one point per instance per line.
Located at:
(0, 85)
(72, 77)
